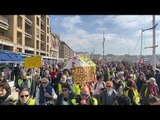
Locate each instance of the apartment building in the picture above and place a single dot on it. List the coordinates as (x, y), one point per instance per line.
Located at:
(65, 51)
(55, 43)
(26, 34)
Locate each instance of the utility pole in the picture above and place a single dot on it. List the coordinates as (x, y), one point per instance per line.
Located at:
(143, 30)
(154, 45)
(103, 44)
(141, 42)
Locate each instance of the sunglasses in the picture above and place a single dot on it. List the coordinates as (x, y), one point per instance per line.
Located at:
(22, 96)
(64, 90)
(44, 82)
(108, 86)
(84, 95)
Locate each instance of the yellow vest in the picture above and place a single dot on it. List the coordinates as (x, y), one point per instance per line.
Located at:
(31, 102)
(59, 88)
(77, 89)
(136, 96)
(20, 81)
(74, 102)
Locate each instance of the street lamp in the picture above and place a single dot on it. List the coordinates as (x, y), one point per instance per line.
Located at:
(154, 45)
(103, 45)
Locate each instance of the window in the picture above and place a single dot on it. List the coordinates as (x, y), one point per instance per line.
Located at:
(47, 29)
(19, 37)
(38, 21)
(47, 39)
(37, 44)
(19, 22)
(47, 21)
(37, 33)
(47, 48)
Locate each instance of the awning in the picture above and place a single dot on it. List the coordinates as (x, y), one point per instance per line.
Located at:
(10, 57)
(4, 57)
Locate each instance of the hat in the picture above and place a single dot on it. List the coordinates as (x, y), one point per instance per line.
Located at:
(152, 79)
(131, 75)
(121, 73)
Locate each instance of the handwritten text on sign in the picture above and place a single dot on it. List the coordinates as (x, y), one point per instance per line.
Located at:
(84, 74)
(33, 62)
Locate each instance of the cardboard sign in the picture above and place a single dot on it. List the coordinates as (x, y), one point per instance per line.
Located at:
(84, 74)
(33, 62)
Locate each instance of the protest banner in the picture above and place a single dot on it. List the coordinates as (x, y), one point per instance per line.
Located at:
(33, 62)
(84, 74)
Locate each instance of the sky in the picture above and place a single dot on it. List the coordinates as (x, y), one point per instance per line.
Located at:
(122, 33)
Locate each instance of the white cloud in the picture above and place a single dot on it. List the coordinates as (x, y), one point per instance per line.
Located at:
(71, 21)
(101, 29)
(121, 33)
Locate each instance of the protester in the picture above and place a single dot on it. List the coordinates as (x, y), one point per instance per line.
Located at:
(66, 96)
(98, 88)
(25, 98)
(122, 100)
(84, 98)
(46, 94)
(108, 94)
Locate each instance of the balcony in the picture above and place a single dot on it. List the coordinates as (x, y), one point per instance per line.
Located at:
(29, 44)
(42, 22)
(28, 34)
(28, 21)
(42, 41)
(5, 38)
(4, 23)
(42, 48)
(19, 40)
(42, 32)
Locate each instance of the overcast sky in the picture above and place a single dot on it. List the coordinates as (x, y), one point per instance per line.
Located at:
(84, 33)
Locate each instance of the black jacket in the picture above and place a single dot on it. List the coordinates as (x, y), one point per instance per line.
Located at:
(61, 97)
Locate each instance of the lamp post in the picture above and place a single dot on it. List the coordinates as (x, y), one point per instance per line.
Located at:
(103, 45)
(154, 45)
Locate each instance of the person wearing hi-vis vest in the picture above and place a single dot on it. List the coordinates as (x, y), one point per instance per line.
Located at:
(149, 90)
(132, 92)
(84, 98)
(25, 98)
(24, 82)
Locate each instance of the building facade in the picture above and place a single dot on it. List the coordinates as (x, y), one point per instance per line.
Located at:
(55, 43)
(26, 34)
(65, 51)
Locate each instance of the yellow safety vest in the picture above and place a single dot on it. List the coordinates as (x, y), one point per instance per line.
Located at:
(134, 77)
(74, 102)
(59, 88)
(20, 81)
(77, 89)
(136, 96)
(31, 102)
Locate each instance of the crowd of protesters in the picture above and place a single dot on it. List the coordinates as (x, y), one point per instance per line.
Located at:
(116, 83)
